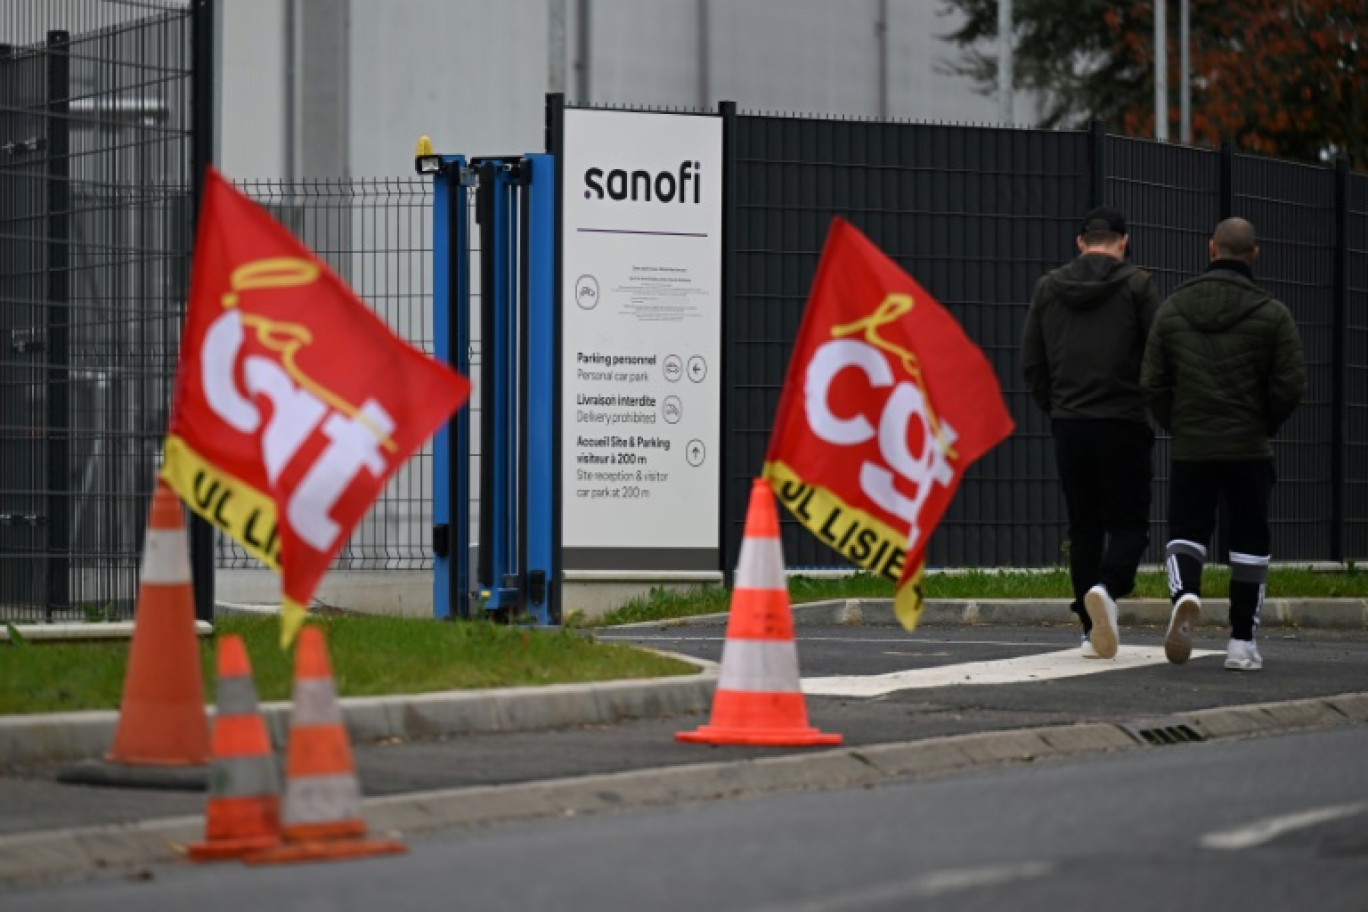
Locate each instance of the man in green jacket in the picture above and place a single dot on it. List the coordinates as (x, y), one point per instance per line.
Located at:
(1080, 352)
(1223, 370)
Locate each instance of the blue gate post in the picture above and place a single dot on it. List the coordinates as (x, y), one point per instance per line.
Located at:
(540, 382)
(518, 381)
(451, 447)
(498, 502)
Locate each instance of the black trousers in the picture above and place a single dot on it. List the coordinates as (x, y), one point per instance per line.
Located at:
(1246, 488)
(1105, 468)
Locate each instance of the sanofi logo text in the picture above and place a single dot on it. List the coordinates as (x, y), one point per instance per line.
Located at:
(678, 186)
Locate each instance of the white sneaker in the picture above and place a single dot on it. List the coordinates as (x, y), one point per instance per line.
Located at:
(1088, 652)
(1243, 655)
(1178, 640)
(1102, 610)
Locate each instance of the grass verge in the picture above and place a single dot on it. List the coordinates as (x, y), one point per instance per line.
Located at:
(370, 655)
(378, 655)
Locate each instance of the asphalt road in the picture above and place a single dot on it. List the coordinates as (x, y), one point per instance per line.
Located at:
(1298, 665)
(1270, 823)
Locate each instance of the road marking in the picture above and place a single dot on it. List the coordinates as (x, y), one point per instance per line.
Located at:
(1047, 666)
(1259, 832)
(924, 886)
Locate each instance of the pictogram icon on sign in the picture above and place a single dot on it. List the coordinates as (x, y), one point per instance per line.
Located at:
(695, 452)
(586, 292)
(673, 368)
(672, 410)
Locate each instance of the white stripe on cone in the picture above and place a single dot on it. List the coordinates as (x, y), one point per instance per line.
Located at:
(760, 565)
(166, 557)
(759, 666)
(321, 799)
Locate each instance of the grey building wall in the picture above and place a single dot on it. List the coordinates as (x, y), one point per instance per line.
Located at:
(346, 87)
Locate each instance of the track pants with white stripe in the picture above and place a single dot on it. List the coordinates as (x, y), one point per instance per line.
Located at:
(1245, 487)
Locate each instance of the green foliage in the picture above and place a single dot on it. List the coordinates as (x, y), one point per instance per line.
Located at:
(1288, 79)
(1063, 52)
(103, 614)
(663, 602)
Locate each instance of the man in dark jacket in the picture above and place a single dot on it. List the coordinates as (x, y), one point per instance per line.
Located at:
(1223, 370)
(1080, 352)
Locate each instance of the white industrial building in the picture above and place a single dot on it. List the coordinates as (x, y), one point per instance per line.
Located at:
(345, 87)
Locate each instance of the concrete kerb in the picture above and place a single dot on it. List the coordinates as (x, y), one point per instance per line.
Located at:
(1328, 613)
(70, 737)
(77, 851)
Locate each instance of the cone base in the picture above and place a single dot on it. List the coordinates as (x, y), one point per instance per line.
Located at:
(759, 737)
(224, 849)
(321, 850)
(118, 774)
(180, 761)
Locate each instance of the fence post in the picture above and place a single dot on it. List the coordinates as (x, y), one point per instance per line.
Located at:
(201, 156)
(1338, 333)
(58, 320)
(1097, 163)
(1226, 181)
(728, 111)
(1225, 193)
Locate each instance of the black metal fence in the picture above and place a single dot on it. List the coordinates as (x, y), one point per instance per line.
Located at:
(977, 214)
(96, 206)
(95, 221)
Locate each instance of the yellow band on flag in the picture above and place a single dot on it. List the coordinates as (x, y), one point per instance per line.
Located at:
(244, 513)
(853, 533)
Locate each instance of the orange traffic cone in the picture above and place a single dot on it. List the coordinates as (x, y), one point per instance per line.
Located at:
(759, 697)
(243, 812)
(321, 812)
(162, 718)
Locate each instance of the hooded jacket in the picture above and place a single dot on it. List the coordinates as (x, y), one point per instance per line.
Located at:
(1085, 337)
(1223, 368)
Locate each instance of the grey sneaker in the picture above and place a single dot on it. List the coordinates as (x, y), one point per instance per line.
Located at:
(1087, 650)
(1178, 640)
(1243, 655)
(1102, 610)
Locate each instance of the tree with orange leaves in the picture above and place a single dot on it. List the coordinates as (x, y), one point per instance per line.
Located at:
(1283, 77)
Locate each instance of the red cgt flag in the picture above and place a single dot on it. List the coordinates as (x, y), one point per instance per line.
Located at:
(886, 403)
(294, 403)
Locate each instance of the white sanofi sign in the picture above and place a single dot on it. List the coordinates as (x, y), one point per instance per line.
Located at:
(641, 339)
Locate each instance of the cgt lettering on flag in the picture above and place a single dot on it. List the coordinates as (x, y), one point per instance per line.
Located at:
(885, 404)
(294, 402)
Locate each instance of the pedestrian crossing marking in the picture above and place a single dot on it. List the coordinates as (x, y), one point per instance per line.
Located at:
(1020, 670)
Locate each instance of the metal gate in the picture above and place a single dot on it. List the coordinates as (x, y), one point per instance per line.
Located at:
(497, 557)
